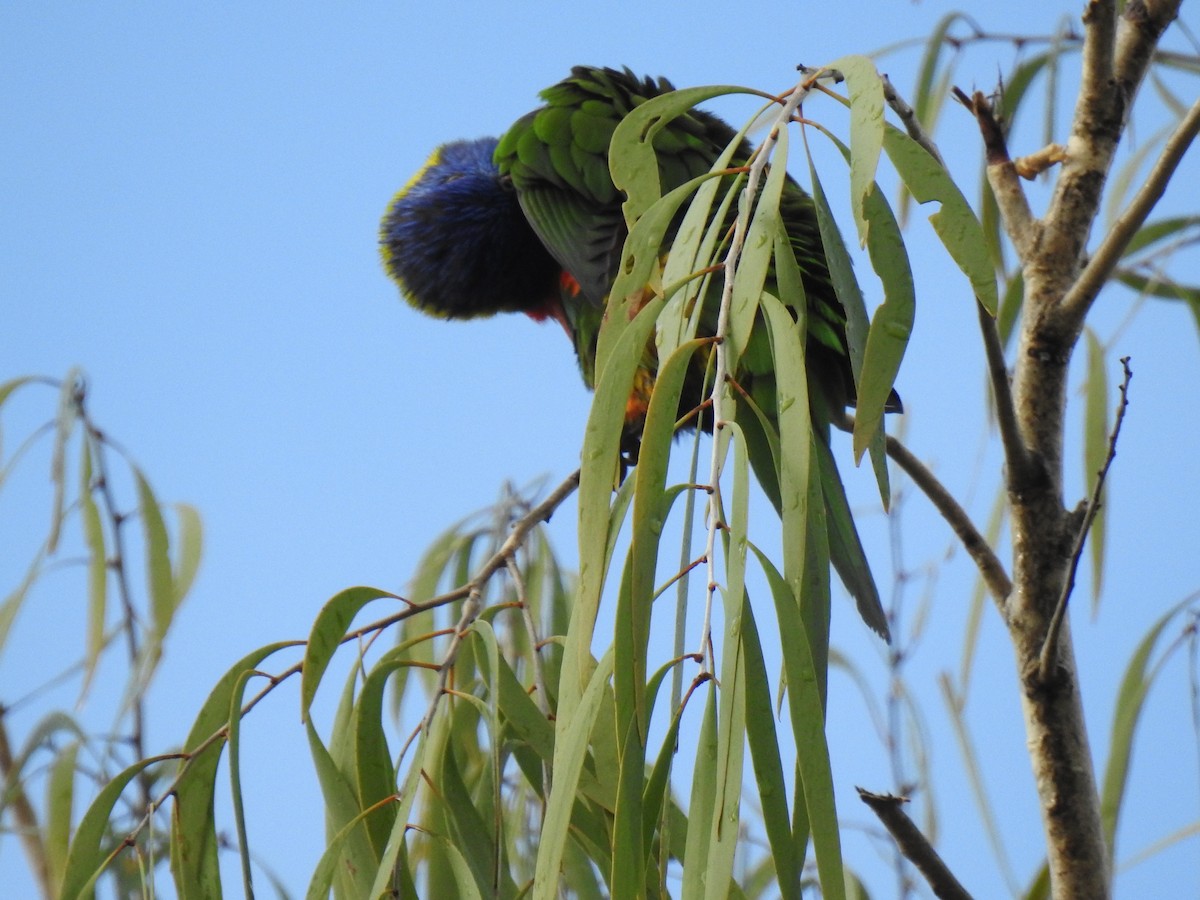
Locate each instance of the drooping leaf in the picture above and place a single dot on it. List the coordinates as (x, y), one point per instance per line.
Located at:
(725, 825)
(891, 326)
(159, 578)
(191, 548)
(97, 565)
(702, 803)
(91, 854)
(60, 796)
(570, 749)
(355, 861)
(194, 863)
(64, 424)
(866, 132)
(807, 714)
(632, 160)
(768, 767)
(1127, 710)
(955, 223)
(326, 636)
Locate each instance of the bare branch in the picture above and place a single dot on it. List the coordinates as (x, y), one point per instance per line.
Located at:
(1100, 267)
(1022, 468)
(1099, 34)
(1142, 24)
(1019, 223)
(1046, 660)
(915, 847)
(976, 545)
(1114, 62)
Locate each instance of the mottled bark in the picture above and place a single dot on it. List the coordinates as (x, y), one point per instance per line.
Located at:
(1060, 285)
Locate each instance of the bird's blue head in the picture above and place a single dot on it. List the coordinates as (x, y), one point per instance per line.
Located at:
(456, 242)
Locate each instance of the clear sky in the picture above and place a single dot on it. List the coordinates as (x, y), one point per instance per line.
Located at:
(189, 201)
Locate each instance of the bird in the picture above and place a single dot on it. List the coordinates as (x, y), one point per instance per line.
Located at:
(531, 222)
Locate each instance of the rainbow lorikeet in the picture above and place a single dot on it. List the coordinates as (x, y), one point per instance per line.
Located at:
(533, 223)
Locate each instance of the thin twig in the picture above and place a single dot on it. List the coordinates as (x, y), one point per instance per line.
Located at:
(98, 444)
(976, 545)
(741, 224)
(1096, 273)
(912, 124)
(1046, 659)
(472, 605)
(914, 845)
(1021, 469)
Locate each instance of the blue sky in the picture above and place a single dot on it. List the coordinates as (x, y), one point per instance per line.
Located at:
(189, 201)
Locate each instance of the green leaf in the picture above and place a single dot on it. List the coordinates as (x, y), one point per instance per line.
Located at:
(655, 796)
(1010, 307)
(928, 102)
(389, 862)
(235, 777)
(754, 264)
(349, 844)
(1131, 699)
(703, 801)
(640, 258)
(16, 599)
(8, 388)
(193, 820)
(601, 451)
(60, 796)
(574, 730)
(694, 247)
(866, 132)
(891, 326)
(650, 510)
(159, 578)
(1158, 231)
(191, 545)
(90, 852)
(768, 768)
(841, 272)
(1160, 286)
(97, 565)
(64, 424)
(326, 636)
(632, 160)
(795, 436)
(955, 223)
(473, 833)
(725, 822)
(807, 714)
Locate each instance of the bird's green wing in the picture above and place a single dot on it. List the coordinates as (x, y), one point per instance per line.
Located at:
(557, 159)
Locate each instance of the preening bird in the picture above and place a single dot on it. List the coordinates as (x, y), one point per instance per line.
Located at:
(532, 222)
